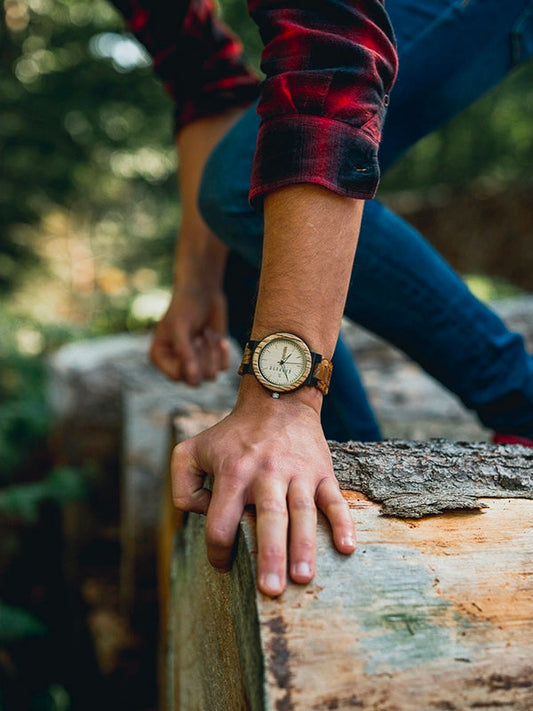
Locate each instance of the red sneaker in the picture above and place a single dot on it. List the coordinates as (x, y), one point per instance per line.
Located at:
(511, 439)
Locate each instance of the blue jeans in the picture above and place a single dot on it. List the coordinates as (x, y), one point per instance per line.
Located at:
(451, 52)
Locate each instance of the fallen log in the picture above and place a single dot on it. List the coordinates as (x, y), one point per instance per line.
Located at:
(430, 613)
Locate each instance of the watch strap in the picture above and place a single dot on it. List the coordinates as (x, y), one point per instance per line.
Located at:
(246, 363)
(319, 377)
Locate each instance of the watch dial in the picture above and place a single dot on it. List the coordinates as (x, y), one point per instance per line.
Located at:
(282, 361)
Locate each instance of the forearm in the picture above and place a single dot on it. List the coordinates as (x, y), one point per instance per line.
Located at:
(310, 241)
(198, 248)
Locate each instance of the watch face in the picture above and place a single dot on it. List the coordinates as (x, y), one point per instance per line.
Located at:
(282, 362)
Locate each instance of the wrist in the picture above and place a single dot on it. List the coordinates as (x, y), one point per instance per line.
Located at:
(255, 398)
(200, 260)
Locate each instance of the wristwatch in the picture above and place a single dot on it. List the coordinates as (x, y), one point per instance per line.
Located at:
(282, 362)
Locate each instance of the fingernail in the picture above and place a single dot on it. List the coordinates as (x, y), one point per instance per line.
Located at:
(302, 570)
(348, 541)
(272, 582)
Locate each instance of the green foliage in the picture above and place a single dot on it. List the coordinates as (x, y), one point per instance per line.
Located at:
(489, 289)
(24, 415)
(27, 483)
(85, 126)
(61, 485)
(17, 624)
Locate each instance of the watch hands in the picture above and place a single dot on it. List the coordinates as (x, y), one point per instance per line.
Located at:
(285, 357)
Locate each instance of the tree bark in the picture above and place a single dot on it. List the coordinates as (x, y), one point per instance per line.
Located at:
(414, 479)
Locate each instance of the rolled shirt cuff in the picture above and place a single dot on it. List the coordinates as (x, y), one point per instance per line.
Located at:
(311, 149)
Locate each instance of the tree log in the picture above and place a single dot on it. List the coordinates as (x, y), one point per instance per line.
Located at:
(429, 614)
(414, 479)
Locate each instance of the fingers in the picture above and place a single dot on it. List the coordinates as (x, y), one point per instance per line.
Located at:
(273, 515)
(302, 546)
(210, 354)
(272, 524)
(188, 493)
(164, 357)
(332, 503)
(223, 517)
(192, 360)
(173, 353)
(187, 351)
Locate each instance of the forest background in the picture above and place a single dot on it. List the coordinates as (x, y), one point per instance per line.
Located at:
(89, 214)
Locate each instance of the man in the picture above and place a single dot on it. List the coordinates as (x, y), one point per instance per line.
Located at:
(329, 68)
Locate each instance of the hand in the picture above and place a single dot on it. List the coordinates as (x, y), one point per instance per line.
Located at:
(270, 453)
(189, 343)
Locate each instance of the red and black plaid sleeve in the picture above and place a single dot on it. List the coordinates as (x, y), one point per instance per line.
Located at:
(329, 66)
(199, 59)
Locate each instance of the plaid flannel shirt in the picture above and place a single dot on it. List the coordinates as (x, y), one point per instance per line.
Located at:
(329, 66)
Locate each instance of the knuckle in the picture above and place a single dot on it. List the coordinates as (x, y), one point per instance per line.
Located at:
(305, 546)
(328, 487)
(302, 503)
(235, 468)
(181, 502)
(219, 537)
(271, 462)
(180, 454)
(270, 555)
(271, 505)
(232, 478)
(337, 510)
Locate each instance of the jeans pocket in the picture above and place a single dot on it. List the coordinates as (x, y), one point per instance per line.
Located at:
(522, 37)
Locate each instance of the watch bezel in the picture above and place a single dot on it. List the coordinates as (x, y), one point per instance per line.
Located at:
(274, 387)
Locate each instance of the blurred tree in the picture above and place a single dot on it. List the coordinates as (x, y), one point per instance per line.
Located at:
(85, 128)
